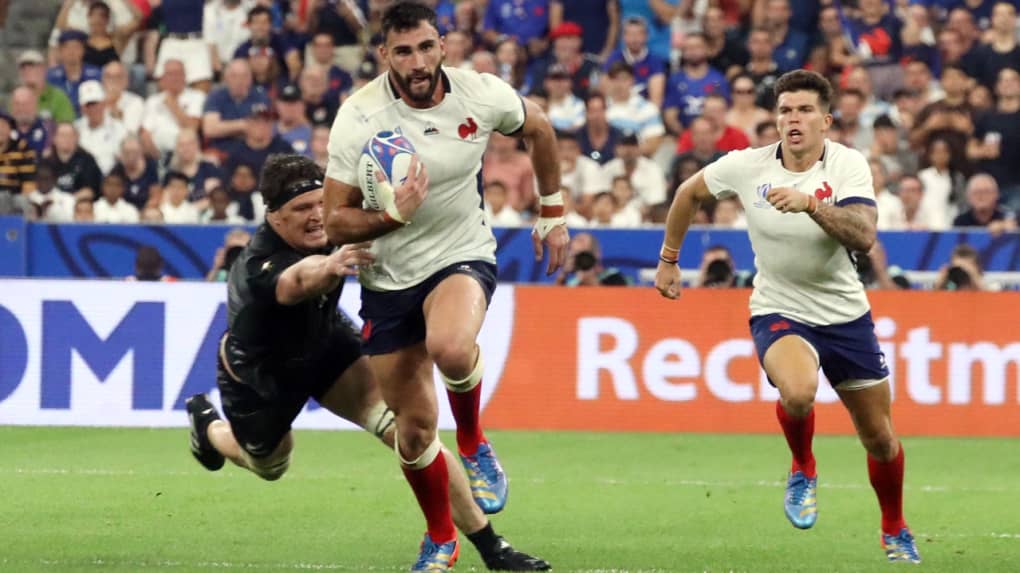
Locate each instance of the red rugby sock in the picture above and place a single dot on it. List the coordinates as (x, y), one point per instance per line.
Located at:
(887, 480)
(431, 485)
(799, 432)
(465, 407)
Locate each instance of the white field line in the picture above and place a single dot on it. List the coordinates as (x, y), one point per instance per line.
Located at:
(234, 473)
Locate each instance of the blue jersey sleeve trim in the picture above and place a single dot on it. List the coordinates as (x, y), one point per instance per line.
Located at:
(855, 201)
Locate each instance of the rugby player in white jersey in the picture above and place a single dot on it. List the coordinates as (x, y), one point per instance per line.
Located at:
(810, 206)
(424, 299)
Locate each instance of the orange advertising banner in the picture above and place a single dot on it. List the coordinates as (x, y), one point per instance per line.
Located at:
(629, 360)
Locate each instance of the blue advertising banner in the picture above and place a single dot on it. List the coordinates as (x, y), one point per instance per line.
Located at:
(88, 250)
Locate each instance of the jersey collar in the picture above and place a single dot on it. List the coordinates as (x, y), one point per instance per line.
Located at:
(779, 152)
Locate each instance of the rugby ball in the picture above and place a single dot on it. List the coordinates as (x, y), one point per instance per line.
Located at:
(391, 153)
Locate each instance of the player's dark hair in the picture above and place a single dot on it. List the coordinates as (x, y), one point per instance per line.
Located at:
(406, 15)
(259, 10)
(282, 170)
(804, 80)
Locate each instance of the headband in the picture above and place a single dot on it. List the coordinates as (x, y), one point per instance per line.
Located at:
(292, 191)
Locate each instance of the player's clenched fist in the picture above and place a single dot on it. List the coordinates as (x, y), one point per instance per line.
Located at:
(667, 280)
(789, 200)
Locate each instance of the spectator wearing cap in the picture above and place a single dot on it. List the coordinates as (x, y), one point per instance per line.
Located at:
(140, 173)
(99, 133)
(725, 137)
(174, 107)
(320, 107)
(629, 112)
(566, 51)
(891, 149)
(790, 45)
(1001, 51)
(260, 27)
(292, 124)
(112, 207)
(203, 176)
(344, 20)
(726, 52)
(762, 67)
(53, 104)
(659, 15)
(28, 126)
(182, 20)
(688, 87)
(122, 104)
(224, 29)
(583, 176)
(598, 138)
(983, 208)
(71, 70)
(645, 175)
(259, 141)
(229, 107)
(599, 20)
(505, 163)
(876, 35)
(320, 54)
(996, 141)
(527, 21)
(75, 169)
(17, 161)
(54, 206)
(566, 110)
(649, 70)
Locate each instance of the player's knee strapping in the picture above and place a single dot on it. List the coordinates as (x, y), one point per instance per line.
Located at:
(467, 384)
(379, 420)
(425, 459)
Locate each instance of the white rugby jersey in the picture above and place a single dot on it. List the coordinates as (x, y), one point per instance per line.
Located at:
(450, 140)
(803, 273)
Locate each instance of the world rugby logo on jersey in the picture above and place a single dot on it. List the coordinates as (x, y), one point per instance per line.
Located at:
(762, 193)
(389, 152)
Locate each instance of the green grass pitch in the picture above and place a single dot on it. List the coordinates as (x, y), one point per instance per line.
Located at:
(92, 500)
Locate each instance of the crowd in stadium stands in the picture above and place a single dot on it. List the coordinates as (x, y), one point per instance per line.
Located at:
(164, 110)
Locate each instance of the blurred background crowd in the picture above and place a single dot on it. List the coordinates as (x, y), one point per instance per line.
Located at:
(163, 111)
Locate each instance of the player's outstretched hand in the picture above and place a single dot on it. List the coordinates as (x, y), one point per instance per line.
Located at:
(788, 200)
(347, 259)
(412, 192)
(557, 239)
(667, 280)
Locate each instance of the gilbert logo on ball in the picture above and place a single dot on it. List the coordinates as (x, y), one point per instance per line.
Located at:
(390, 152)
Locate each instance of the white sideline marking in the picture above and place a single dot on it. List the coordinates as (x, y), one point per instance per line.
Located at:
(232, 473)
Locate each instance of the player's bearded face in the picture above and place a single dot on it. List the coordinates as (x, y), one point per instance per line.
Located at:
(414, 58)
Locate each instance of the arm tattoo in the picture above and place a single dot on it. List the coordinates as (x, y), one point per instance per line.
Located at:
(852, 225)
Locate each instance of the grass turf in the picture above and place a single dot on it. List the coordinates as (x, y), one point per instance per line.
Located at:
(127, 500)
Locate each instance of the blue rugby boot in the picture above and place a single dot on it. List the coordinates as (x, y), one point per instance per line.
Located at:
(437, 556)
(488, 482)
(900, 548)
(801, 501)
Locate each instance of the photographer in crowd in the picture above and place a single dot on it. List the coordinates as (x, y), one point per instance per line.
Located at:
(718, 271)
(584, 265)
